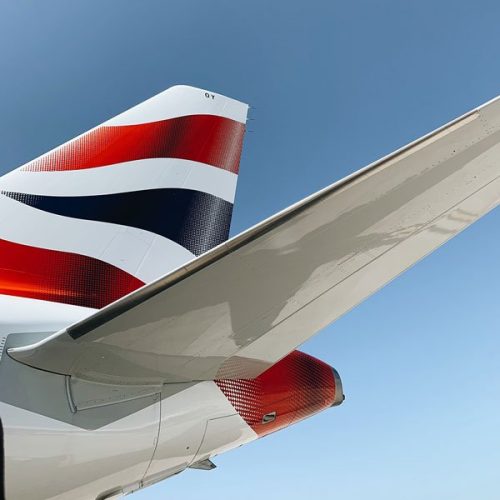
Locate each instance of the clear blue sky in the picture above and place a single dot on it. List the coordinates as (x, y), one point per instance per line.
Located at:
(335, 85)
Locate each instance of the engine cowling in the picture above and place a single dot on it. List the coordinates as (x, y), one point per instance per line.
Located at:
(295, 388)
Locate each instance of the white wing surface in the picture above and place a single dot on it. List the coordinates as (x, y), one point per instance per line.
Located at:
(239, 308)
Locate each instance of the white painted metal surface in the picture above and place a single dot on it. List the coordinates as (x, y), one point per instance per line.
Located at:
(187, 435)
(182, 100)
(121, 456)
(89, 461)
(20, 314)
(152, 173)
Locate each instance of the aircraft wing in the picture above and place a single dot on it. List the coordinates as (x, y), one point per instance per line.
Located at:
(239, 308)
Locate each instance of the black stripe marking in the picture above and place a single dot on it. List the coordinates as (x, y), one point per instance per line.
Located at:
(197, 221)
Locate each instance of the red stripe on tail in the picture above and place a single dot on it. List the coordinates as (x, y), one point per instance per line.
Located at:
(207, 139)
(55, 276)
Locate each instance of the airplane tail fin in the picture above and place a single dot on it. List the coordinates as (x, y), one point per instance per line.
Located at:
(125, 203)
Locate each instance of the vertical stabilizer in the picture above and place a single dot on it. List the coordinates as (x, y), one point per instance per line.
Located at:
(124, 203)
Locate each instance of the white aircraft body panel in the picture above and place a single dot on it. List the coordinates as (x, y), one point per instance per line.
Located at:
(188, 435)
(88, 462)
(21, 314)
(123, 456)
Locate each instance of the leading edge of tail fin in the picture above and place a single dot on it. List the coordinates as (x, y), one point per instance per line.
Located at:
(125, 203)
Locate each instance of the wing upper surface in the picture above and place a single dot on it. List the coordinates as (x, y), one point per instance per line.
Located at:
(239, 308)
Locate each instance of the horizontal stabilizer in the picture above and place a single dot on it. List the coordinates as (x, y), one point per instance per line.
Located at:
(236, 310)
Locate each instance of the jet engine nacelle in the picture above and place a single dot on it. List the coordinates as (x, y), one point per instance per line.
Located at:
(295, 388)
